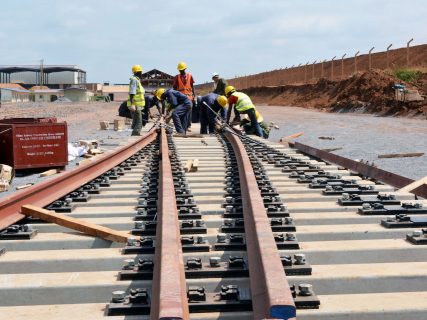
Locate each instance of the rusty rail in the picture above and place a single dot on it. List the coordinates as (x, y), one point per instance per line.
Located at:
(271, 296)
(366, 170)
(50, 190)
(168, 298)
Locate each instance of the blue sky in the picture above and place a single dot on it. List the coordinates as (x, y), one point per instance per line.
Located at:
(232, 37)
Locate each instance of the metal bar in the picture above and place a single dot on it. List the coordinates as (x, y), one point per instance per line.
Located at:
(169, 297)
(366, 170)
(48, 191)
(271, 296)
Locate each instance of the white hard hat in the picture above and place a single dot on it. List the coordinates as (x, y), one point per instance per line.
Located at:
(215, 74)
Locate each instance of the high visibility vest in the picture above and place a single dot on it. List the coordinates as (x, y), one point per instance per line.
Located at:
(258, 115)
(244, 103)
(138, 98)
(185, 88)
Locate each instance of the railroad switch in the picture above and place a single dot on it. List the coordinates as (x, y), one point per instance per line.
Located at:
(404, 221)
(418, 237)
(404, 208)
(18, 232)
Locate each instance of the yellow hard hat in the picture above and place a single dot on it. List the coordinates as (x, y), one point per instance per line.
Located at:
(222, 100)
(182, 66)
(229, 90)
(136, 68)
(159, 93)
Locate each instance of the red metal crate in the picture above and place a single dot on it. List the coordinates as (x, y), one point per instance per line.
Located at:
(31, 143)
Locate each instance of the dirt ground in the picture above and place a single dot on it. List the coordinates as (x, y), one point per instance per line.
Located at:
(368, 92)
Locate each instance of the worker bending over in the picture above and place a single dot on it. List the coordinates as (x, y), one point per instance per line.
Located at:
(150, 102)
(246, 124)
(242, 104)
(208, 115)
(184, 83)
(179, 105)
(136, 100)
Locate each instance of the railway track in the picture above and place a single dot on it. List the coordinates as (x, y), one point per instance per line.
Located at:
(258, 231)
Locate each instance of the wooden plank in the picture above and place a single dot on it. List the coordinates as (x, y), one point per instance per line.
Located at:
(292, 136)
(401, 155)
(195, 166)
(49, 173)
(188, 165)
(75, 224)
(24, 186)
(414, 185)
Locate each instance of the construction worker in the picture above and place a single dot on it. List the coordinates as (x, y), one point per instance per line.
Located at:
(208, 115)
(219, 84)
(242, 104)
(246, 124)
(136, 100)
(179, 105)
(150, 102)
(184, 83)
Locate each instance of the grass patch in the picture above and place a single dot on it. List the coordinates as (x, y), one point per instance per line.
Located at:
(407, 75)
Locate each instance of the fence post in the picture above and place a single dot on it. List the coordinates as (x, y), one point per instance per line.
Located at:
(305, 73)
(388, 62)
(407, 52)
(370, 58)
(342, 65)
(298, 72)
(321, 72)
(355, 61)
(312, 70)
(332, 67)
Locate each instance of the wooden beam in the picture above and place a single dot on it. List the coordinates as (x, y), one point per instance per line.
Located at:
(49, 172)
(414, 185)
(195, 166)
(292, 136)
(188, 165)
(75, 224)
(400, 155)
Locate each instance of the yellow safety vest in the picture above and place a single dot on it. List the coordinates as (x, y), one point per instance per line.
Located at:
(138, 98)
(244, 103)
(258, 115)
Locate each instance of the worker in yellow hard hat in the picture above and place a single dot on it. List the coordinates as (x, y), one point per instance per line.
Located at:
(211, 106)
(178, 105)
(136, 100)
(247, 126)
(184, 83)
(242, 104)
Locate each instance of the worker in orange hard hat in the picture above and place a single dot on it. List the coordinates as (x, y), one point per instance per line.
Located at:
(136, 100)
(184, 83)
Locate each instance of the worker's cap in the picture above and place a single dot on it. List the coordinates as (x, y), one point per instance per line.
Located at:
(215, 74)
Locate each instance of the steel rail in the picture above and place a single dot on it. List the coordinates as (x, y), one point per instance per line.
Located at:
(168, 297)
(50, 190)
(366, 170)
(270, 291)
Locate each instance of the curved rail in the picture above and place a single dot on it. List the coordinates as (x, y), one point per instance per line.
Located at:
(271, 295)
(48, 191)
(169, 298)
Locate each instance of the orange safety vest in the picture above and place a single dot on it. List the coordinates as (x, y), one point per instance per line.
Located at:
(185, 87)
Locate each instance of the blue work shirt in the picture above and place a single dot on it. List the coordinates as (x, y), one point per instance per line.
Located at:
(151, 101)
(176, 98)
(211, 101)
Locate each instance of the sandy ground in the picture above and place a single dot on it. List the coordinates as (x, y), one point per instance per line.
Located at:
(359, 136)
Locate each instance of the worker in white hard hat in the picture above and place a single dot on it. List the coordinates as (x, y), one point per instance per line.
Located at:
(136, 100)
(219, 84)
(184, 83)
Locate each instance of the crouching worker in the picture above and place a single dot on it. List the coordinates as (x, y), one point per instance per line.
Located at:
(179, 105)
(136, 100)
(246, 124)
(242, 104)
(150, 102)
(208, 115)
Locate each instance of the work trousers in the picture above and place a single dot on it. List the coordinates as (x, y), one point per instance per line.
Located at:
(254, 122)
(137, 121)
(181, 117)
(208, 119)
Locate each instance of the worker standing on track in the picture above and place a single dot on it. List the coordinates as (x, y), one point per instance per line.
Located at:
(136, 100)
(179, 105)
(241, 103)
(217, 106)
(184, 83)
(219, 84)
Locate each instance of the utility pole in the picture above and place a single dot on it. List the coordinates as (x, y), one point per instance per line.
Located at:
(388, 61)
(355, 61)
(342, 65)
(332, 67)
(370, 58)
(407, 51)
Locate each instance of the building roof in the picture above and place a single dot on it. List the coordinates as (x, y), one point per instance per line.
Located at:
(13, 86)
(36, 68)
(39, 88)
(156, 74)
(48, 91)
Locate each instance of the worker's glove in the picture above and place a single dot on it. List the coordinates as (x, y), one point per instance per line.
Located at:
(132, 108)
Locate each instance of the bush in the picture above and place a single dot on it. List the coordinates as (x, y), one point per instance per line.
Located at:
(407, 75)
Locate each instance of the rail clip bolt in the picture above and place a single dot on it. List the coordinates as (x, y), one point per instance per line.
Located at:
(138, 224)
(214, 261)
(417, 233)
(305, 289)
(366, 206)
(299, 258)
(221, 238)
(129, 264)
(118, 296)
(390, 219)
(290, 237)
(132, 241)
